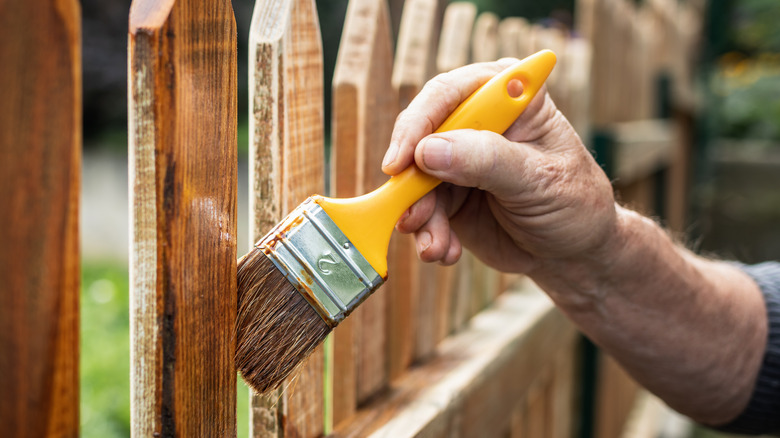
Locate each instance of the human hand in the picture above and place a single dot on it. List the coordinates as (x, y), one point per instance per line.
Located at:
(516, 200)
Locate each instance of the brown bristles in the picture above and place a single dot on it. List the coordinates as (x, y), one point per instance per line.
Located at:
(276, 329)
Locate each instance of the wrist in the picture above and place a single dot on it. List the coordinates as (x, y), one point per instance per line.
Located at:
(583, 281)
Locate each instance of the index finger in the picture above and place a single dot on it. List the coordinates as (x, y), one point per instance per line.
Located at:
(438, 98)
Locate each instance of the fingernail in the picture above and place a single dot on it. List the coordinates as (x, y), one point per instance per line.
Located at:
(437, 153)
(404, 216)
(423, 241)
(390, 155)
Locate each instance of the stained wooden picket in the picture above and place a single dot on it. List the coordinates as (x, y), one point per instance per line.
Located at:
(183, 167)
(40, 164)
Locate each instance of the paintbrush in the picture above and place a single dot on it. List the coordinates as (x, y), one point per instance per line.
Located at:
(328, 255)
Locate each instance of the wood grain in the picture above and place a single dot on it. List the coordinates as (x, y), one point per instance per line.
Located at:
(454, 285)
(345, 182)
(483, 289)
(537, 415)
(514, 37)
(444, 293)
(518, 421)
(469, 389)
(612, 73)
(403, 296)
(563, 415)
(591, 24)
(462, 290)
(642, 148)
(679, 175)
(455, 41)
(286, 166)
(487, 286)
(616, 395)
(627, 108)
(303, 171)
(40, 146)
(577, 76)
(484, 42)
(414, 64)
(365, 107)
(554, 39)
(646, 419)
(689, 24)
(182, 58)
(643, 28)
(418, 42)
(266, 142)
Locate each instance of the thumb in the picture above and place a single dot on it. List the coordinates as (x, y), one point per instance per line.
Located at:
(480, 159)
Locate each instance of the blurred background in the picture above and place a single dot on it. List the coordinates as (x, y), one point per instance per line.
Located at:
(734, 203)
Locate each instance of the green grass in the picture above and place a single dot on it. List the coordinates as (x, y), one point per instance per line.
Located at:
(105, 355)
(105, 352)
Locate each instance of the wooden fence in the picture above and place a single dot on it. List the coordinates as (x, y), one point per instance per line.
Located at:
(438, 351)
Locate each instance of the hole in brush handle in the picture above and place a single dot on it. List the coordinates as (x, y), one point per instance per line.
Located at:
(515, 88)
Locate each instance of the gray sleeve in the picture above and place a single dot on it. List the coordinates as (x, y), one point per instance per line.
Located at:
(762, 414)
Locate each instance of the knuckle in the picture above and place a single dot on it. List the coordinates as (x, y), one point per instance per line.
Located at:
(406, 116)
(401, 116)
(507, 60)
(444, 93)
(482, 160)
(441, 80)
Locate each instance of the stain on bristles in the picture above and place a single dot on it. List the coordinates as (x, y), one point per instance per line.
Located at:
(276, 329)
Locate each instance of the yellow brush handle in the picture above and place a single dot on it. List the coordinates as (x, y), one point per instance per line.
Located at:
(368, 220)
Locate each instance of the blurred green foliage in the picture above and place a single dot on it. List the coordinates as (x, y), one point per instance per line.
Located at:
(529, 10)
(755, 25)
(243, 139)
(105, 355)
(105, 352)
(744, 80)
(748, 94)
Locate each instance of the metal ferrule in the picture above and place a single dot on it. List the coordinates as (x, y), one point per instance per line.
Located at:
(320, 262)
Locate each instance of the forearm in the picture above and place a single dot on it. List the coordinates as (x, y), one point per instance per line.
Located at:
(692, 331)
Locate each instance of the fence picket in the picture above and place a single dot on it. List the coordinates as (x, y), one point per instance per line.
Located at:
(414, 64)
(454, 283)
(485, 42)
(40, 146)
(265, 161)
(183, 181)
(514, 37)
(286, 166)
(455, 42)
(363, 121)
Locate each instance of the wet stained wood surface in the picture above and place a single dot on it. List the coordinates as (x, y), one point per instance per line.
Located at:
(40, 163)
(182, 133)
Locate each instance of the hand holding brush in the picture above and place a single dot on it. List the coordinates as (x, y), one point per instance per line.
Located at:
(700, 334)
(328, 255)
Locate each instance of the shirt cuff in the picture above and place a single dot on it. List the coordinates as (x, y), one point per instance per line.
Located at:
(762, 414)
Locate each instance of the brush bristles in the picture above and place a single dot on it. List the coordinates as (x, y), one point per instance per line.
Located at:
(276, 329)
